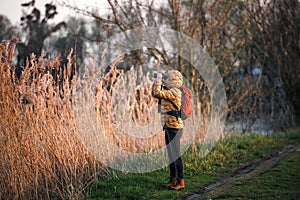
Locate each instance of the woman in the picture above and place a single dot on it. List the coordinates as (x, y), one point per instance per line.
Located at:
(168, 90)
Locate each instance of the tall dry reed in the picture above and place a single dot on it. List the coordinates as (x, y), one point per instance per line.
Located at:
(41, 155)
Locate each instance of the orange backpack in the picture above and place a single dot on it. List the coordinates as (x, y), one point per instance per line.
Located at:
(186, 105)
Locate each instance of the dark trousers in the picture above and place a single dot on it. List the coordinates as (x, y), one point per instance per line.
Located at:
(172, 137)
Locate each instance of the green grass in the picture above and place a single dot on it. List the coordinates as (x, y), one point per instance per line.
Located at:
(141, 186)
(226, 155)
(280, 182)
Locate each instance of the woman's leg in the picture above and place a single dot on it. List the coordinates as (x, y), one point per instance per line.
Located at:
(169, 135)
(179, 161)
(172, 137)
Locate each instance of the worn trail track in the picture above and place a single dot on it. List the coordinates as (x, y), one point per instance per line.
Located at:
(249, 171)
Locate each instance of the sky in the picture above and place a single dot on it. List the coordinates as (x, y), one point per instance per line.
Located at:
(13, 10)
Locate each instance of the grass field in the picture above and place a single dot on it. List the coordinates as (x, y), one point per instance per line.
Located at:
(232, 152)
(280, 182)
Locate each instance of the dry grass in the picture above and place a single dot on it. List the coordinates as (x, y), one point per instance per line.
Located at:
(41, 154)
(54, 132)
(126, 113)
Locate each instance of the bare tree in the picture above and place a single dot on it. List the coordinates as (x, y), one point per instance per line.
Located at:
(238, 35)
(275, 45)
(217, 25)
(6, 28)
(37, 28)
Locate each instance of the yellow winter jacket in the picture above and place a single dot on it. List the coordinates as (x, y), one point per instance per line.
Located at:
(168, 94)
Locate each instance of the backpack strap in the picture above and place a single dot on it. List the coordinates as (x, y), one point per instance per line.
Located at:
(182, 97)
(174, 105)
(176, 113)
(159, 106)
(159, 101)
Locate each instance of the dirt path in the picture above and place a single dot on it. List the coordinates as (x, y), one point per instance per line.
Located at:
(249, 171)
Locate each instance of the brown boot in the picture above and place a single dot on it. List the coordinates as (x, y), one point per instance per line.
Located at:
(179, 185)
(172, 182)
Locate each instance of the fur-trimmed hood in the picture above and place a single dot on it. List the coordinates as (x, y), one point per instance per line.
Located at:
(174, 79)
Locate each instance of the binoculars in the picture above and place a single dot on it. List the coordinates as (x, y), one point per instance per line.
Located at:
(164, 75)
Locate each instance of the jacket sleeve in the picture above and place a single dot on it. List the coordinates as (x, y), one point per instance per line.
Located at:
(157, 92)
